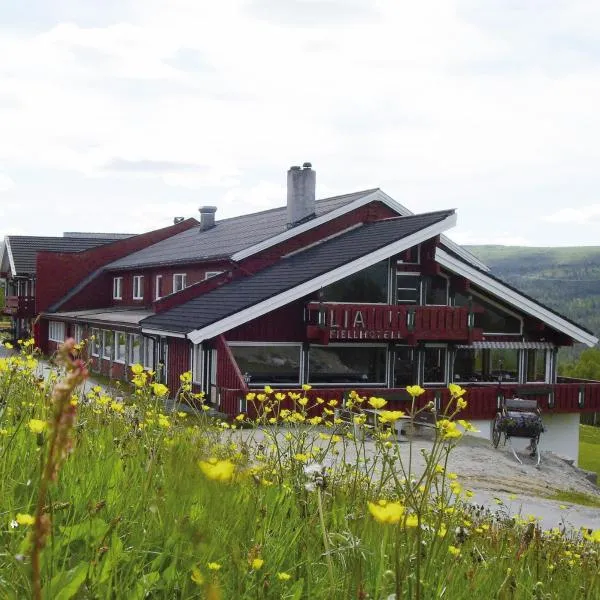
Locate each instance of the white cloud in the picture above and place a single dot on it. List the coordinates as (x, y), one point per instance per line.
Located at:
(441, 105)
(6, 183)
(577, 216)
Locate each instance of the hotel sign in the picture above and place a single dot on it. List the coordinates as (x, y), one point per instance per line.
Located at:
(329, 321)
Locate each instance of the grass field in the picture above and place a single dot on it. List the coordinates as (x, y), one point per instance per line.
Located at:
(589, 448)
(114, 499)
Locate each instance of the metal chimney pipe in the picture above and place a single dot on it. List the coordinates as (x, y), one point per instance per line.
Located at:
(301, 185)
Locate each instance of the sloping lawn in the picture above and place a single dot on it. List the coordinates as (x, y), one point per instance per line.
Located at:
(589, 448)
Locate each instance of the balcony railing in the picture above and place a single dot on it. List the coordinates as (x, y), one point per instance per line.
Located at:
(330, 321)
(482, 400)
(20, 307)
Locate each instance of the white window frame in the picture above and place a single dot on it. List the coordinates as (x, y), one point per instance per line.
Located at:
(157, 286)
(105, 334)
(197, 363)
(210, 274)
(418, 288)
(424, 290)
(117, 288)
(138, 287)
(375, 384)
(120, 358)
(133, 337)
(56, 331)
(78, 333)
(179, 278)
(148, 347)
(96, 342)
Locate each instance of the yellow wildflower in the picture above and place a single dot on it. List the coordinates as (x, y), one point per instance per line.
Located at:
(301, 457)
(377, 403)
(303, 401)
(160, 389)
(117, 407)
(250, 396)
(411, 521)
(415, 390)
(454, 550)
(218, 470)
(268, 389)
(25, 519)
(306, 387)
(137, 369)
(213, 566)
(390, 513)
(197, 576)
(284, 576)
(390, 416)
(240, 417)
(456, 390)
(467, 426)
(37, 426)
(257, 563)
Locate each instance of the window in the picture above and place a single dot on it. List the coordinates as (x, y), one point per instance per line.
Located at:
(197, 364)
(369, 285)
(56, 331)
(158, 287)
(138, 287)
(95, 342)
(405, 366)
(434, 364)
(135, 349)
(108, 338)
(504, 365)
(469, 366)
(536, 365)
(148, 353)
(78, 333)
(210, 274)
(410, 256)
(435, 290)
(493, 365)
(117, 288)
(120, 346)
(273, 363)
(179, 282)
(347, 364)
(494, 319)
(408, 288)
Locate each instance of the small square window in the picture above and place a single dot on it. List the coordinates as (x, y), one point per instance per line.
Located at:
(179, 282)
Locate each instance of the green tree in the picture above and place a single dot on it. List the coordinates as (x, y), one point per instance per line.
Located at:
(586, 367)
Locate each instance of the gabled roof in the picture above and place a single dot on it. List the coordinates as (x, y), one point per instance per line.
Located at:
(514, 297)
(296, 276)
(21, 250)
(240, 237)
(227, 237)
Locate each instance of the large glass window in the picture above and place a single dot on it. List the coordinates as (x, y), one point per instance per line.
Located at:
(504, 365)
(95, 342)
(148, 353)
(469, 366)
(347, 364)
(536, 365)
(369, 285)
(434, 364)
(276, 364)
(120, 346)
(107, 343)
(435, 290)
(135, 349)
(408, 288)
(56, 331)
(405, 366)
(493, 319)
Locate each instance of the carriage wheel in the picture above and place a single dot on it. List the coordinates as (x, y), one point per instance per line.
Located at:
(496, 432)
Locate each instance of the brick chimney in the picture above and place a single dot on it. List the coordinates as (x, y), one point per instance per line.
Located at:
(207, 217)
(301, 183)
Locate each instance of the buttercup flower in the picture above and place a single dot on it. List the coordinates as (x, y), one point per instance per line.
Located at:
(37, 426)
(25, 519)
(257, 563)
(415, 390)
(213, 566)
(389, 513)
(218, 470)
(377, 403)
(284, 576)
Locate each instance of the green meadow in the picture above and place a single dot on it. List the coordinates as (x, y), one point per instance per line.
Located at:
(106, 497)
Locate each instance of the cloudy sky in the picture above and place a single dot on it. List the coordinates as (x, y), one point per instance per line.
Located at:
(117, 115)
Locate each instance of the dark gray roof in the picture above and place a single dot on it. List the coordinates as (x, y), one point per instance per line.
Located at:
(226, 238)
(24, 248)
(288, 273)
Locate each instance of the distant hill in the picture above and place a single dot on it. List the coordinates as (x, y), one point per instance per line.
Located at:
(566, 279)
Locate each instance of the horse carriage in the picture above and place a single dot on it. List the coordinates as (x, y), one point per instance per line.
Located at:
(519, 418)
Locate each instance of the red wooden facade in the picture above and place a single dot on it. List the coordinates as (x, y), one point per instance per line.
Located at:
(19, 307)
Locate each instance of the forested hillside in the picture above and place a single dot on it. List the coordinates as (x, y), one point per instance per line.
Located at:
(566, 279)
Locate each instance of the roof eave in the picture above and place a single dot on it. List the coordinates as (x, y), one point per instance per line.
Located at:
(516, 299)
